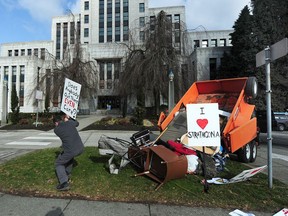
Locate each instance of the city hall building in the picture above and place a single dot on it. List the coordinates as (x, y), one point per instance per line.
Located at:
(104, 28)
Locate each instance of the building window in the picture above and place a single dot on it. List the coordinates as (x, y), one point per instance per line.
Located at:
(72, 32)
(9, 52)
(58, 54)
(230, 42)
(204, 43)
(109, 20)
(22, 52)
(86, 5)
(78, 30)
(101, 35)
(21, 89)
(141, 7)
(213, 68)
(22, 73)
(21, 94)
(86, 32)
(142, 21)
(117, 6)
(177, 37)
(125, 20)
(35, 52)
(117, 34)
(109, 71)
(6, 73)
(42, 53)
(58, 40)
(177, 21)
(14, 74)
(102, 70)
(125, 33)
(109, 6)
(213, 43)
(29, 52)
(222, 42)
(142, 36)
(86, 18)
(109, 34)
(196, 43)
(16, 52)
(152, 23)
(117, 67)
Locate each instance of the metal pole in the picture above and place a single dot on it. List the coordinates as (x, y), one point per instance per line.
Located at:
(6, 110)
(171, 91)
(268, 105)
(4, 103)
(37, 113)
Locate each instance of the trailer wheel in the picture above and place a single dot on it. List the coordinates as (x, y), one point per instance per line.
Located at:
(253, 151)
(244, 154)
(251, 88)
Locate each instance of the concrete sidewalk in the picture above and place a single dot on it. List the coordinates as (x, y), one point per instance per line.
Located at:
(33, 206)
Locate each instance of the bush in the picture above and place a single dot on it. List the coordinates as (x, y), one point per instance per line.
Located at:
(139, 114)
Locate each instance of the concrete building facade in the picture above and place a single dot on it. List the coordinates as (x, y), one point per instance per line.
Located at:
(105, 29)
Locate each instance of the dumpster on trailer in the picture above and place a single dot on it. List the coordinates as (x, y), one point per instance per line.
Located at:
(232, 96)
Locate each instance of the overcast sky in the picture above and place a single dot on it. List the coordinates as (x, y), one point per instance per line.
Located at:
(29, 20)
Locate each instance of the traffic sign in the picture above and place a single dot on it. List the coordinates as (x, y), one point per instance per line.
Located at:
(277, 50)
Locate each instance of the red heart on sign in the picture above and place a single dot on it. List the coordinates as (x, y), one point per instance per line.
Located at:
(202, 123)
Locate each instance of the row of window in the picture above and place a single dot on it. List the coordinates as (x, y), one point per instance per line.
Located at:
(74, 33)
(109, 18)
(28, 52)
(212, 43)
(109, 71)
(176, 21)
(15, 75)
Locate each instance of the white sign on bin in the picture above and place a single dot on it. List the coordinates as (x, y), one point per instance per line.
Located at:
(203, 124)
(70, 98)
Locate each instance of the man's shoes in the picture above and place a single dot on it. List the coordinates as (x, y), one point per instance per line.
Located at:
(63, 187)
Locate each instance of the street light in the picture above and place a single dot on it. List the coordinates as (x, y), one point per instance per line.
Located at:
(171, 91)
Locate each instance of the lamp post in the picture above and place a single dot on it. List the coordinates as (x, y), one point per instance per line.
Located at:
(171, 91)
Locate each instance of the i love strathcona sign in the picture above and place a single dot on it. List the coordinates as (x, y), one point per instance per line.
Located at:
(203, 124)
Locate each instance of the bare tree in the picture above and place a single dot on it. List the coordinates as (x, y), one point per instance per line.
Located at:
(146, 66)
(76, 66)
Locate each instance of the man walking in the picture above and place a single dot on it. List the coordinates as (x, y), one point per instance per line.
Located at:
(72, 146)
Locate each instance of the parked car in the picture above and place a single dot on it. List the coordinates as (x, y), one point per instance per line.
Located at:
(262, 121)
(282, 120)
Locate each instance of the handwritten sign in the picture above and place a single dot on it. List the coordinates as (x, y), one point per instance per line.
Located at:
(203, 124)
(243, 176)
(283, 212)
(70, 98)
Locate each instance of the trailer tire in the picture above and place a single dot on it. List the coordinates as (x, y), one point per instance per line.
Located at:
(244, 154)
(254, 149)
(251, 89)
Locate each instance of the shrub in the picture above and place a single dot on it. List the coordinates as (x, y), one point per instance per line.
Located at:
(139, 114)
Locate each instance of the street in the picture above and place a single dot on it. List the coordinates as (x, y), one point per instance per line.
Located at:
(15, 143)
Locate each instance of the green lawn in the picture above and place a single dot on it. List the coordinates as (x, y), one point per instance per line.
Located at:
(33, 174)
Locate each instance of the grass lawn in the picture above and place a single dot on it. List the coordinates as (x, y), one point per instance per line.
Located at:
(33, 174)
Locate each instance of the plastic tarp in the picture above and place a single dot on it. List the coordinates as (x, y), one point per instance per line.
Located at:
(114, 146)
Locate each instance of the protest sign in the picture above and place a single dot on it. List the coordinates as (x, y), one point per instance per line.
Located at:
(243, 176)
(203, 124)
(283, 212)
(70, 98)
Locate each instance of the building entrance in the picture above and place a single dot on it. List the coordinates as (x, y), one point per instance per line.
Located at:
(113, 101)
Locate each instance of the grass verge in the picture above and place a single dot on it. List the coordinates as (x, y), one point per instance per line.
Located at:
(33, 175)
